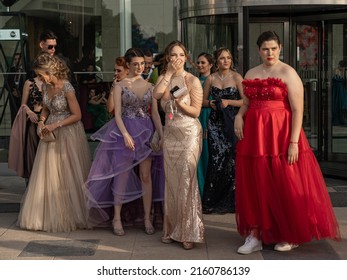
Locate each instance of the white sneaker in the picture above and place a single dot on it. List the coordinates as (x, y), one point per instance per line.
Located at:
(251, 245)
(285, 246)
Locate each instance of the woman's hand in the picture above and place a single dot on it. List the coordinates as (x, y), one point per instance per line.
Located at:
(225, 103)
(293, 153)
(33, 117)
(40, 126)
(45, 129)
(174, 65)
(238, 127)
(129, 142)
(213, 104)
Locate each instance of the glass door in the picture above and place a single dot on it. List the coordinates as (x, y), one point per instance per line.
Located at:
(308, 65)
(335, 63)
(321, 62)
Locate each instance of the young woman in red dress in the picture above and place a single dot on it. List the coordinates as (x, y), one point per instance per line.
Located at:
(281, 196)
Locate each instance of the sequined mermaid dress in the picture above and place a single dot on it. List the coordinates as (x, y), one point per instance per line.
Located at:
(182, 148)
(285, 203)
(55, 198)
(219, 189)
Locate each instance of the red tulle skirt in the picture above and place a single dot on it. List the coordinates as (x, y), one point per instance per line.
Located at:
(281, 202)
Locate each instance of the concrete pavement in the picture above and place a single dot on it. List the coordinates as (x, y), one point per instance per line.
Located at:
(222, 239)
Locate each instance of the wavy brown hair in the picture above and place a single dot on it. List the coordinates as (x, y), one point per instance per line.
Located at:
(167, 54)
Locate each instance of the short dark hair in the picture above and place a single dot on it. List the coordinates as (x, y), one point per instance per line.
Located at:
(268, 36)
(133, 52)
(48, 35)
(147, 52)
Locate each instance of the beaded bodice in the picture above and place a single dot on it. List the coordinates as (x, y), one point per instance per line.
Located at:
(57, 105)
(225, 93)
(133, 107)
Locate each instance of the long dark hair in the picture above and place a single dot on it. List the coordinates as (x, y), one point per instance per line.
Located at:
(210, 60)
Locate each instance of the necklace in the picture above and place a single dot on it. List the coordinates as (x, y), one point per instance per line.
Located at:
(222, 78)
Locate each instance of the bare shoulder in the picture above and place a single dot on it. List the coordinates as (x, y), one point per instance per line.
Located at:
(237, 77)
(286, 68)
(192, 79)
(149, 85)
(288, 73)
(253, 72)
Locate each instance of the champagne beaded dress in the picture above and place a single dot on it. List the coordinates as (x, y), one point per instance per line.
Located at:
(182, 148)
(55, 200)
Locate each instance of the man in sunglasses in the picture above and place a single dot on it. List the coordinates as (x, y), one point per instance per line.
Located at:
(48, 42)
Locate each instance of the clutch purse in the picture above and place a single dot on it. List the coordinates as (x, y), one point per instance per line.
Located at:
(49, 137)
(154, 143)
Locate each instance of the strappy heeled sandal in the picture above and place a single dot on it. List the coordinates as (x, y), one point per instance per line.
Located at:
(119, 231)
(149, 229)
(188, 245)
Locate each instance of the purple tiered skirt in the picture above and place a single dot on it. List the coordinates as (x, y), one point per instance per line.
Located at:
(113, 177)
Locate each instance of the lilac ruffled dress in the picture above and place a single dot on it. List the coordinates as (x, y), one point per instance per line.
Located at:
(113, 178)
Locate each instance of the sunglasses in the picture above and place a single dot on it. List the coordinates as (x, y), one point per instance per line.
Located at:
(51, 47)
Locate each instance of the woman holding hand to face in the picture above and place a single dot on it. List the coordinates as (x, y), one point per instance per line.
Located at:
(180, 94)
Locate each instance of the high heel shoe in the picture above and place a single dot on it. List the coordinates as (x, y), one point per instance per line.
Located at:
(118, 228)
(149, 229)
(166, 240)
(188, 245)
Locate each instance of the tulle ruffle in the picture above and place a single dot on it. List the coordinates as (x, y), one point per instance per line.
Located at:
(286, 203)
(113, 177)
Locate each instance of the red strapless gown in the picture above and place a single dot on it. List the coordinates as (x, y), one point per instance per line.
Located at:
(286, 203)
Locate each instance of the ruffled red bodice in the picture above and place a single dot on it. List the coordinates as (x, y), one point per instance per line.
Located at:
(267, 120)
